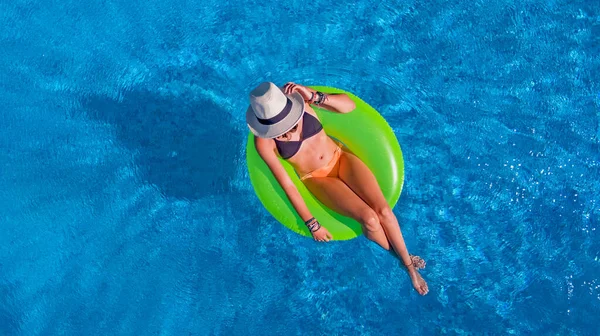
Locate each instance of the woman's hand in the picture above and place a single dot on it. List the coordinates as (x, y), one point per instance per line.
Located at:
(322, 235)
(305, 92)
(319, 233)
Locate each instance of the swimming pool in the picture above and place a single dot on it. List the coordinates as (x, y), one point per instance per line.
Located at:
(126, 208)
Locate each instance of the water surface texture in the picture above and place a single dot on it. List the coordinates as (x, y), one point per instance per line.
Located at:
(125, 202)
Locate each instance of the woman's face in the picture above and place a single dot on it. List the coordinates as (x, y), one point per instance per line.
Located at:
(287, 136)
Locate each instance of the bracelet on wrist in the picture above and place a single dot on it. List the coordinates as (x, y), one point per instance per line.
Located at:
(312, 224)
(320, 98)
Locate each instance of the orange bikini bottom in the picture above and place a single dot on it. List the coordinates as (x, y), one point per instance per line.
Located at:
(325, 170)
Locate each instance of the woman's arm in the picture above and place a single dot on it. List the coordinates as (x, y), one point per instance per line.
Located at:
(335, 102)
(266, 150)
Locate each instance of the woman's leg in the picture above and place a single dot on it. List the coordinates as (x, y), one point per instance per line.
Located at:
(354, 173)
(337, 196)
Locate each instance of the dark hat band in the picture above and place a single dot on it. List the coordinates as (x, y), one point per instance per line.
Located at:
(280, 116)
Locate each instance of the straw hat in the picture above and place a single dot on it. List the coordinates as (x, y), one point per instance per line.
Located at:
(271, 112)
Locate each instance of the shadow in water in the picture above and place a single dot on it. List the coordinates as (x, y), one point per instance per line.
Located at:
(185, 146)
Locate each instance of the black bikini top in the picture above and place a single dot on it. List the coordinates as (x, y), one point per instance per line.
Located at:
(310, 127)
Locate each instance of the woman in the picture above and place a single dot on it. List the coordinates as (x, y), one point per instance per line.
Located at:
(285, 125)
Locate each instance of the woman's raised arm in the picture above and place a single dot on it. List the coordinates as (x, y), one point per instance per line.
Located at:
(334, 102)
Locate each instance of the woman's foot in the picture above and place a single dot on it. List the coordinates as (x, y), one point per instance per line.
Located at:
(418, 282)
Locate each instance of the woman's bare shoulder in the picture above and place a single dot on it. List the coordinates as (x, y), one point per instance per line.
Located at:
(263, 145)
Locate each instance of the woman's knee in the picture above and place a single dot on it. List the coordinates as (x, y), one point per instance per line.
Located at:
(384, 213)
(369, 219)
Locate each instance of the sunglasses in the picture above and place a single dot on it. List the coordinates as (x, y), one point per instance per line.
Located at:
(293, 129)
(290, 132)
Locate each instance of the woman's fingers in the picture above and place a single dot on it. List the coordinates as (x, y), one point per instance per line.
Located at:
(289, 87)
(323, 239)
(322, 236)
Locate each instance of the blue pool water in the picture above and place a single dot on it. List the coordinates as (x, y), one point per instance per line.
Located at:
(126, 207)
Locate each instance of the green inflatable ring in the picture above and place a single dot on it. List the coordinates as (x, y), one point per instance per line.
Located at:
(367, 134)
